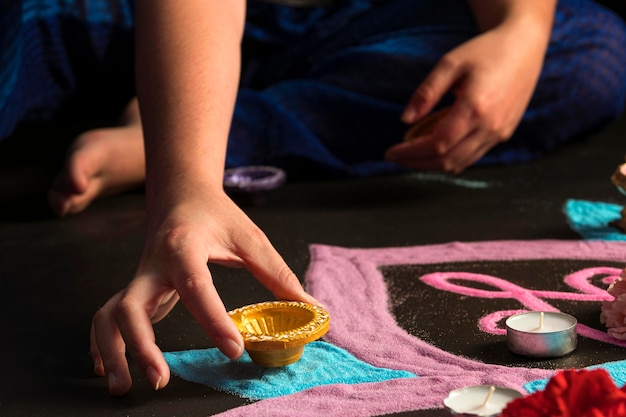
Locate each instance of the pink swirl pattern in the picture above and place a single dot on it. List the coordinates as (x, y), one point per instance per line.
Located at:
(533, 300)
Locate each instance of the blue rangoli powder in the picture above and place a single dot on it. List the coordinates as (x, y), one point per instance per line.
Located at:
(321, 364)
(592, 219)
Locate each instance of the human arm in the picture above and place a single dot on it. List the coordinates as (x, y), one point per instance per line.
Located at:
(492, 77)
(188, 58)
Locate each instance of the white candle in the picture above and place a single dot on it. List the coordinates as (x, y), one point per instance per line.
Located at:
(480, 400)
(541, 334)
(541, 322)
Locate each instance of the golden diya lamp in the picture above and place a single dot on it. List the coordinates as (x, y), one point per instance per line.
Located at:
(275, 332)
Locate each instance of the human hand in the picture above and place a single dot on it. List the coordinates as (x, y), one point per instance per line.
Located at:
(181, 239)
(492, 77)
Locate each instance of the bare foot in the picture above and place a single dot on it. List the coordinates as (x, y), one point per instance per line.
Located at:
(100, 162)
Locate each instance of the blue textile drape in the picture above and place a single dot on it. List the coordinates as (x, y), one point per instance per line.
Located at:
(322, 88)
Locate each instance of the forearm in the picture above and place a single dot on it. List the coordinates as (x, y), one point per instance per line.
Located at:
(535, 16)
(188, 62)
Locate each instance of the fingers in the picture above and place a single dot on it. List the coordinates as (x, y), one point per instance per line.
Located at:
(133, 315)
(98, 366)
(410, 156)
(195, 287)
(247, 246)
(178, 268)
(439, 149)
(167, 304)
(451, 140)
(455, 159)
(109, 352)
(426, 125)
(438, 82)
(484, 113)
(266, 264)
(124, 323)
(65, 186)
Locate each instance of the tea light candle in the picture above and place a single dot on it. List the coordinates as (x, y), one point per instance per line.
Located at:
(480, 400)
(541, 334)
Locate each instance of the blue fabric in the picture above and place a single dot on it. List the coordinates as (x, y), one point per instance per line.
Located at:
(322, 88)
(616, 369)
(321, 364)
(592, 219)
(61, 56)
(331, 96)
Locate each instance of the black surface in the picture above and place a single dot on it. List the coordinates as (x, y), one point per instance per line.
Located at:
(618, 6)
(461, 338)
(54, 273)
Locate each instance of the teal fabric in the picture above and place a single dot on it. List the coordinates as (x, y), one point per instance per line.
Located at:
(592, 219)
(616, 369)
(320, 364)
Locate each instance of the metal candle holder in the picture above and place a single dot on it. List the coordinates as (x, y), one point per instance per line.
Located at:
(541, 334)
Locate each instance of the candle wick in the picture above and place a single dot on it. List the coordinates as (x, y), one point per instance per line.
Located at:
(488, 397)
(541, 320)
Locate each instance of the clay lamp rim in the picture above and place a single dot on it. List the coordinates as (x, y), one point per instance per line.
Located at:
(307, 323)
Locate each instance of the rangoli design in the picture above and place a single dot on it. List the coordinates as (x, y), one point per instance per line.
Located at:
(352, 287)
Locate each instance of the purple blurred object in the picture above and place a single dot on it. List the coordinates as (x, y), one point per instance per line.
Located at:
(252, 184)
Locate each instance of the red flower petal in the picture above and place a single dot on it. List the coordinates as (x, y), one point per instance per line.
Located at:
(573, 393)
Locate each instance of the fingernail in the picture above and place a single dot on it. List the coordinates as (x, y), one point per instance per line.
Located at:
(232, 348)
(314, 301)
(112, 381)
(98, 367)
(409, 115)
(154, 377)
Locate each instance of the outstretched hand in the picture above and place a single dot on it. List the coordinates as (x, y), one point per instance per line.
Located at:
(492, 77)
(181, 240)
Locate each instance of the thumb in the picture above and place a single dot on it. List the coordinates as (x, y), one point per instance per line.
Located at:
(271, 270)
(195, 287)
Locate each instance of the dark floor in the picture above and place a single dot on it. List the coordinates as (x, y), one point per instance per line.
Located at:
(616, 5)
